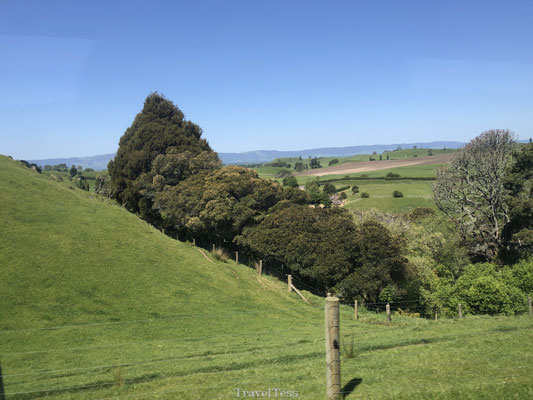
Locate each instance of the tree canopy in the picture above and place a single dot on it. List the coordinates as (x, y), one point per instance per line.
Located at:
(160, 129)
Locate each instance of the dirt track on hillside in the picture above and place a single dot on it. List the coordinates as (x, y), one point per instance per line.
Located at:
(367, 166)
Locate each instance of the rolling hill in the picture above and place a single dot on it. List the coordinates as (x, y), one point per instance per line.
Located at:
(97, 304)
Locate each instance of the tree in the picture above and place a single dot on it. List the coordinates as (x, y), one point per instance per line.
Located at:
(333, 162)
(329, 188)
(299, 166)
(160, 129)
(317, 196)
(355, 189)
(518, 232)
(217, 205)
(470, 190)
(387, 156)
(380, 157)
(290, 181)
(314, 163)
(430, 152)
(73, 171)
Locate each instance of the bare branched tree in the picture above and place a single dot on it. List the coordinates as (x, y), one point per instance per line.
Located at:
(470, 190)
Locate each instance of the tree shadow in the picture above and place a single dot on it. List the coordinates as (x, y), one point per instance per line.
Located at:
(350, 386)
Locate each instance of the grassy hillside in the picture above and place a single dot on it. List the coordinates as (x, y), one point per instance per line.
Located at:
(96, 304)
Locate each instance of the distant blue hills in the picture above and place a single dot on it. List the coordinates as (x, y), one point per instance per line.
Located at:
(99, 162)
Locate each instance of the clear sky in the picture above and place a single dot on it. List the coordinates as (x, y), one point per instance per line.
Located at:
(254, 74)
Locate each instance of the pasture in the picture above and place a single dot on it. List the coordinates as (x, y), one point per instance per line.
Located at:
(98, 304)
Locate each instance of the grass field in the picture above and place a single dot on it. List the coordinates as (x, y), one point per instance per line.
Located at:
(97, 304)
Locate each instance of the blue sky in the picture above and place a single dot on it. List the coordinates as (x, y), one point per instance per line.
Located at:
(283, 75)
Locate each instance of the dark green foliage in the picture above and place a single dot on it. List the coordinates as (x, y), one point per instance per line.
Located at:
(73, 171)
(290, 181)
(333, 162)
(518, 232)
(342, 188)
(397, 193)
(387, 156)
(329, 188)
(380, 157)
(296, 196)
(279, 163)
(343, 195)
(392, 175)
(430, 152)
(159, 130)
(364, 195)
(217, 205)
(314, 163)
(325, 247)
(299, 166)
(355, 189)
(317, 196)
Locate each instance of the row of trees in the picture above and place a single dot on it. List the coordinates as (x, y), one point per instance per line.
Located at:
(168, 174)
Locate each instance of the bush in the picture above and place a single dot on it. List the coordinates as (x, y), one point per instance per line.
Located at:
(290, 181)
(355, 189)
(333, 162)
(343, 188)
(397, 193)
(343, 195)
(220, 255)
(392, 175)
(364, 195)
(329, 188)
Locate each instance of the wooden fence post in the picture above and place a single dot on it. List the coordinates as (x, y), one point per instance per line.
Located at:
(436, 316)
(355, 308)
(289, 283)
(387, 308)
(260, 271)
(236, 257)
(2, 391)
(530, 307)
(460, 310)
(333, 363)
(213, 247)
(193, 241)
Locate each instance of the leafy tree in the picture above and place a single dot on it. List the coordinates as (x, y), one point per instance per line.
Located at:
(365, 195)
(333, 162)
(380, 157)
(296, 196)
(217, 205)
(470, 190)
(299, 166)
(518, 232)
(160, 129)
(317, 196)
(290, 181)
(73, 171)
(343, 195)
(329, 188)
(314, 163)
(430, 152)
(355, 189)
(387, 156)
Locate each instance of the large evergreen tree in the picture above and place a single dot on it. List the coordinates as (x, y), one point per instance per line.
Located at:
(160, 129)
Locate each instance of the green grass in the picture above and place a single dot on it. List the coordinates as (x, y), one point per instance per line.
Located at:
(416, 194)
(110, 290)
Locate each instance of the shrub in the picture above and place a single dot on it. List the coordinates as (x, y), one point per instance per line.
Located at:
(220, 255)
(329, 188)
(333, 162)
(342, 195)
(392, 175)
(397, 193)
(364, 195)
(355, 189)
(290, 181)
(343, 188)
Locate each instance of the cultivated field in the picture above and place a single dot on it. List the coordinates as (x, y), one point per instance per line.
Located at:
(368, 166)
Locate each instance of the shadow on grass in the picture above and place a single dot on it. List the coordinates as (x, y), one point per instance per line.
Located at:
(350, 386)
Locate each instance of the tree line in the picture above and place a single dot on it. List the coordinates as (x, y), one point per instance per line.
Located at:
(168, 174)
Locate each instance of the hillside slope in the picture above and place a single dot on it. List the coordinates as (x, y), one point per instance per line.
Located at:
(96, 304)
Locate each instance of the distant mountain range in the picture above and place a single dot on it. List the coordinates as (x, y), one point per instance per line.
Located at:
(261, 156)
